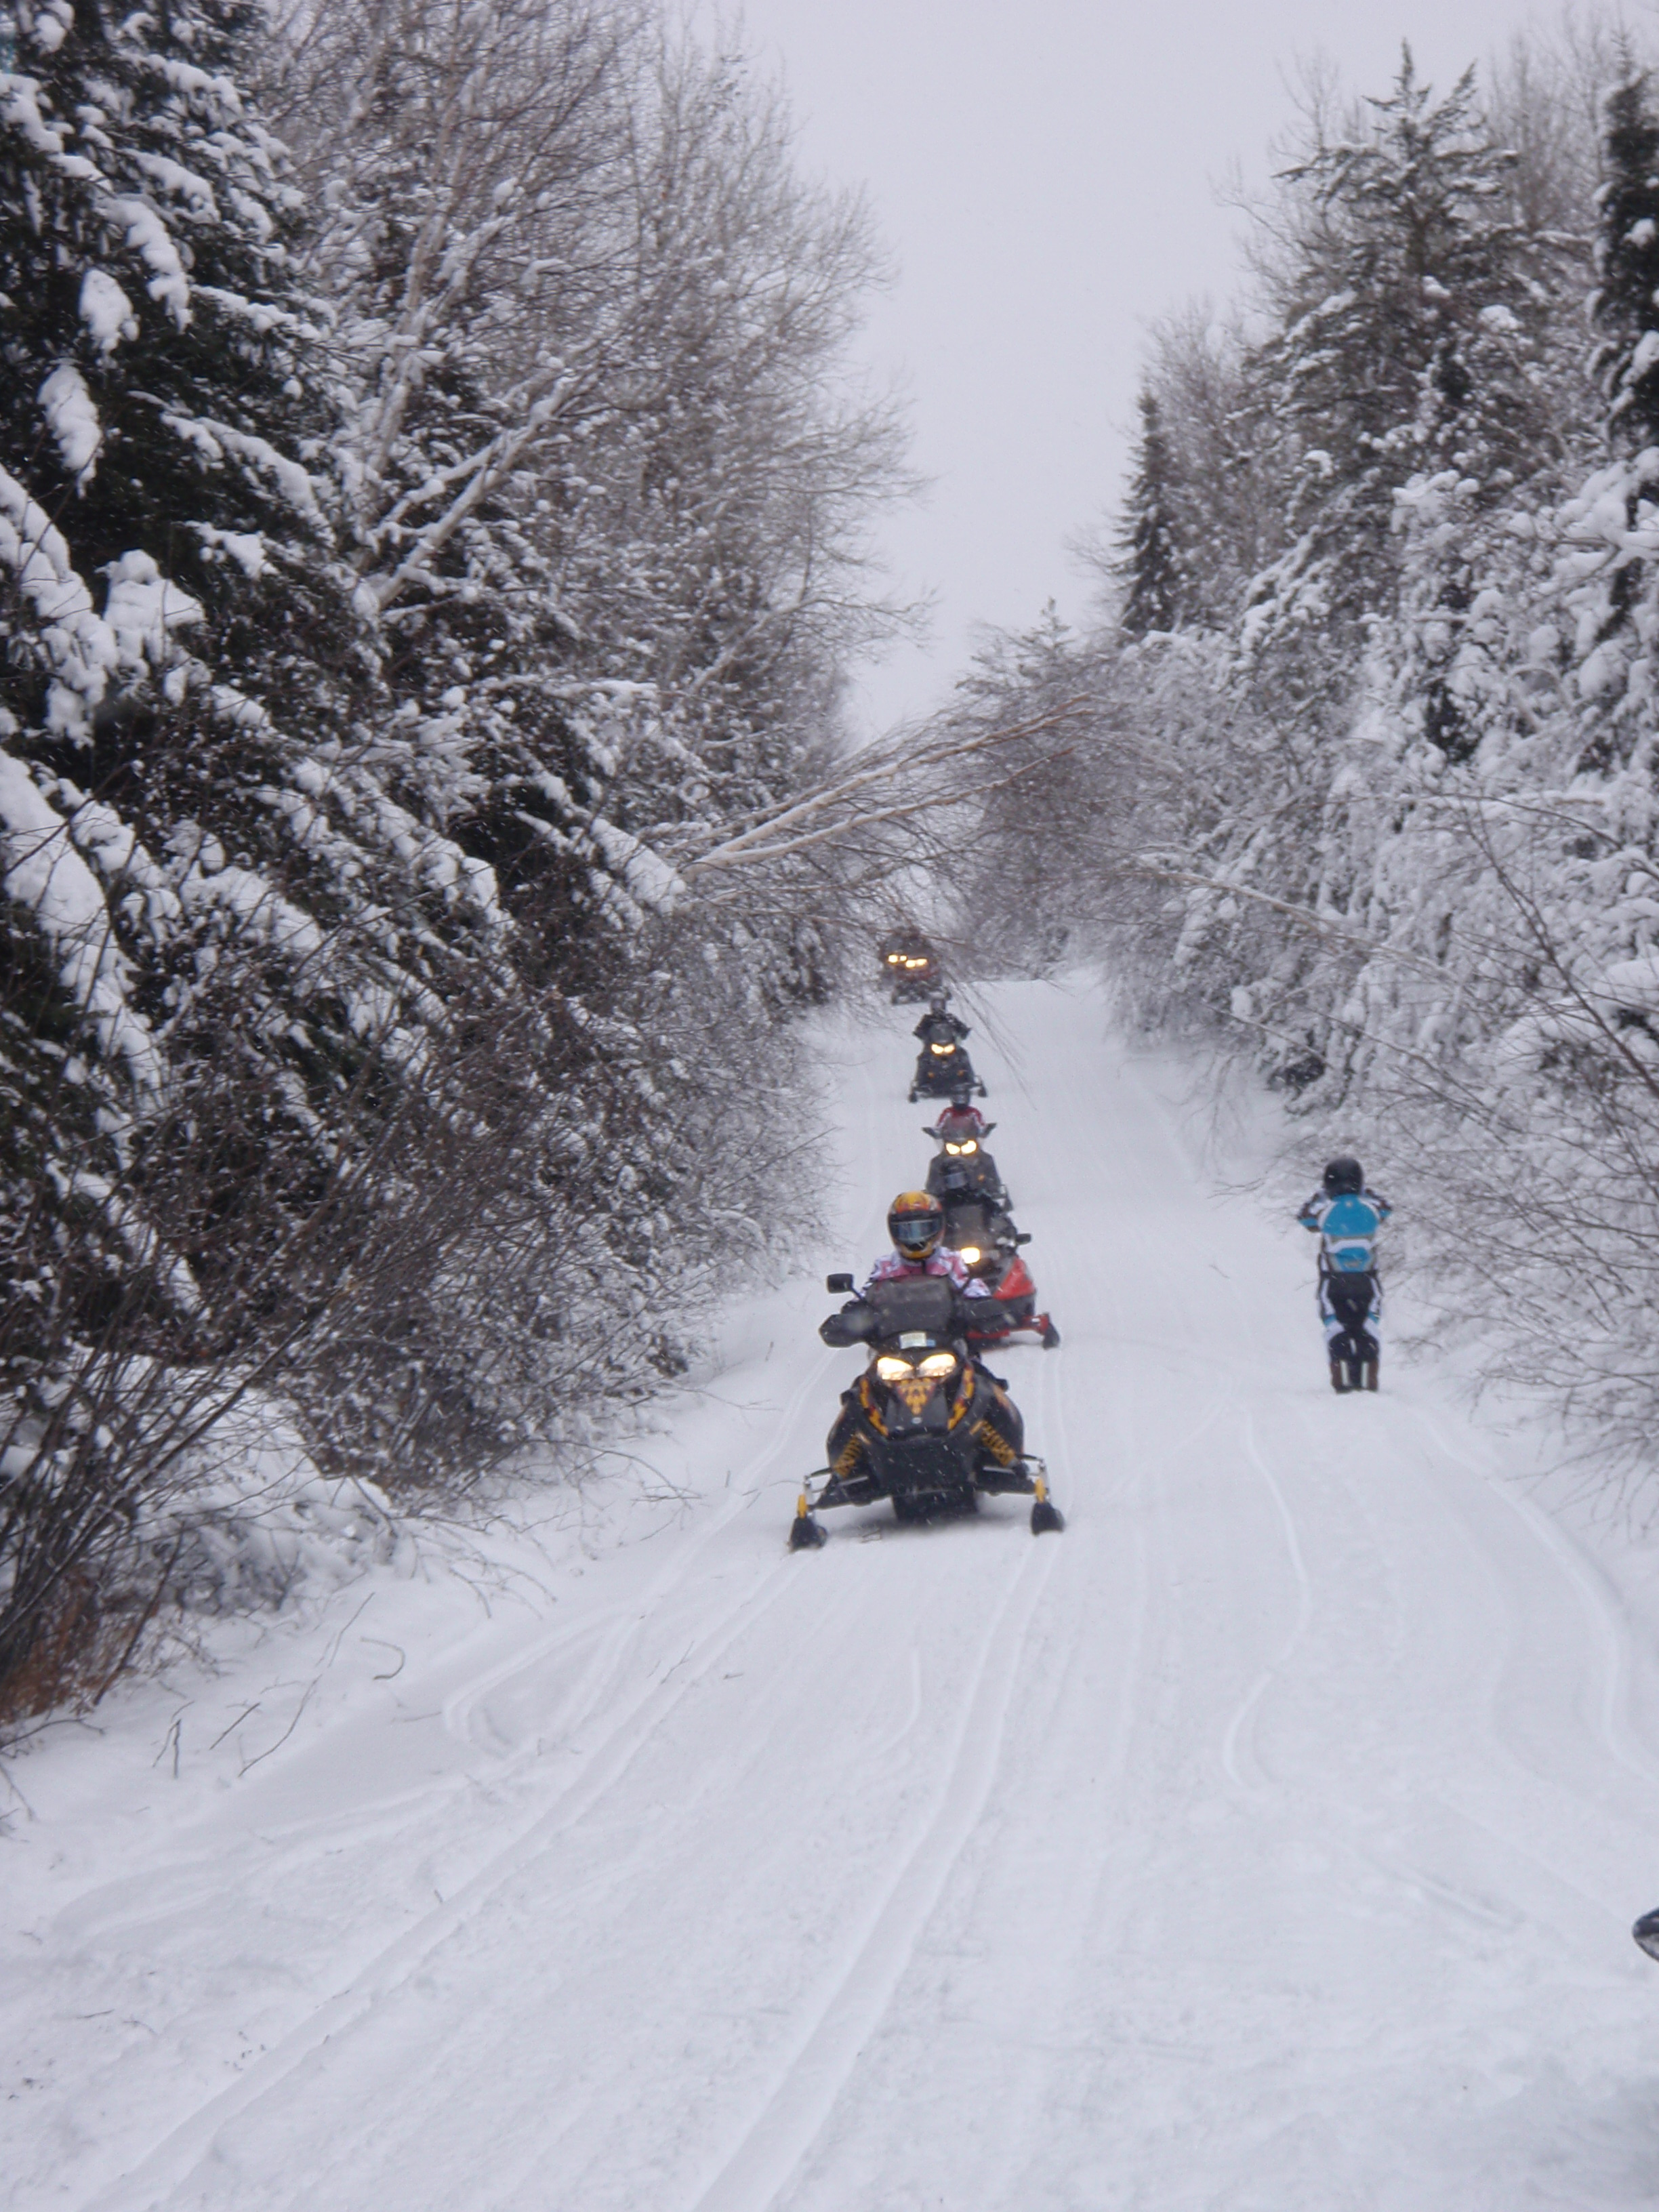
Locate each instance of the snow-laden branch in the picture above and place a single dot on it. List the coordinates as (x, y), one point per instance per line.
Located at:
(791, 825)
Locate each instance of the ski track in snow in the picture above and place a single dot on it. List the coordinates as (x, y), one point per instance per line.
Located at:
(1266, 1843)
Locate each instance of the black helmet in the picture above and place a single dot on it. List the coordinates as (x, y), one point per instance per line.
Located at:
(1344, 1178)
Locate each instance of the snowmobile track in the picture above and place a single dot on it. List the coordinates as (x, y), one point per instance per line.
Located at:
(827, 2042)
(165, 2172)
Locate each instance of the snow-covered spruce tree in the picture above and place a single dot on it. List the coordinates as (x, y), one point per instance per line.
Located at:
(1153, 563)
(1231, 513)
(1407, 333)
(1623, 309)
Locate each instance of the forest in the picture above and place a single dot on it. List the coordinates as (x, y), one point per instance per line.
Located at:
(436, 523)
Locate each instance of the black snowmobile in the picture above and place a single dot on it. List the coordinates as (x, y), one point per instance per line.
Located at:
(925, 1425)
(1646, 1932)
(909, 963)
(942, 1067)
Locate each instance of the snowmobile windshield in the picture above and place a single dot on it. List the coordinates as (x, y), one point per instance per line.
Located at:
(919, 1304)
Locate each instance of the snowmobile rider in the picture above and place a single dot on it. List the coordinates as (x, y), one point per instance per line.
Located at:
(915, 1222)
(962, 1167)
(938, 1025)
(1347, 1218)
(961, 1118)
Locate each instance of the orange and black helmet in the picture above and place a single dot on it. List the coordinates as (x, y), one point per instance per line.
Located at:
(915, 1222)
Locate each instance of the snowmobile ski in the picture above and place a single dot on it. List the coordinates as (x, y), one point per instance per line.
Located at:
(1045, 1514)
(805, 1533)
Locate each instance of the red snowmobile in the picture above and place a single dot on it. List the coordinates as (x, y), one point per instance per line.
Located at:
(986, 1237)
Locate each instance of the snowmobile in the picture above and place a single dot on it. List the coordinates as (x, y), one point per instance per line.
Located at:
(941, 1068)
(1646, 1932)
(962, 1166)
(989, 1244)
(927, 1427)
(909, 963)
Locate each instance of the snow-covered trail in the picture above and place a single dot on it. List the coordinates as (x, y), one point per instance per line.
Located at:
(1268, 1840)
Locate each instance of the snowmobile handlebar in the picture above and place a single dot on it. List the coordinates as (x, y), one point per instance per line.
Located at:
(855, 1324)
(861, 1319)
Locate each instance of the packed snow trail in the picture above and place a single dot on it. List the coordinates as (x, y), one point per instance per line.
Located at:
(1268, 1840)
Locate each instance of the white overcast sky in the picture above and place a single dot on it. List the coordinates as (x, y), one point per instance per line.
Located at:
(1043, 173)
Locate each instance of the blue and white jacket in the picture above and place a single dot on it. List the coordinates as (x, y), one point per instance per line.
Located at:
(1348, 1227)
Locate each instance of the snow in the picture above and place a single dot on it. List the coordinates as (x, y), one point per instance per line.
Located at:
(84, 647)
(72, 419)
(40, 869)
(148, 236)
(214, 440)
(143, 606)
(1268, 1839)
(247, 547)
(106, 311)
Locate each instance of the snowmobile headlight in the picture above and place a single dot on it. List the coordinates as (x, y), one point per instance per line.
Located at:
(943, 1050)
(891, 1369)
(952, 1149)
(971, 1253)
(937, 1363)
(970, 1146)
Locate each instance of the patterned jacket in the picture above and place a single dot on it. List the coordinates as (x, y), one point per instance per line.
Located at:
(894, 1267)
(1347, 1228)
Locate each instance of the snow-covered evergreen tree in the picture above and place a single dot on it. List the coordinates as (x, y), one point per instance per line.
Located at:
(1626, 362)
(1153, 563)
(1408, 348)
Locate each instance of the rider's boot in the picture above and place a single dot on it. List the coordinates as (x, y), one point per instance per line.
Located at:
(1340, 1376)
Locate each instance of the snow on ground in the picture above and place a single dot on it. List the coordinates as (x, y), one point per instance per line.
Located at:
(1268, 1841)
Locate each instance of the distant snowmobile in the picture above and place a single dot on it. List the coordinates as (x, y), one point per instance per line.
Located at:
(942, 1067)
(925, 1425)
(1646, 1932)
(909, 963)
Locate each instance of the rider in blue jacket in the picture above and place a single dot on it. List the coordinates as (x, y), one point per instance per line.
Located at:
(1347, 1218)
